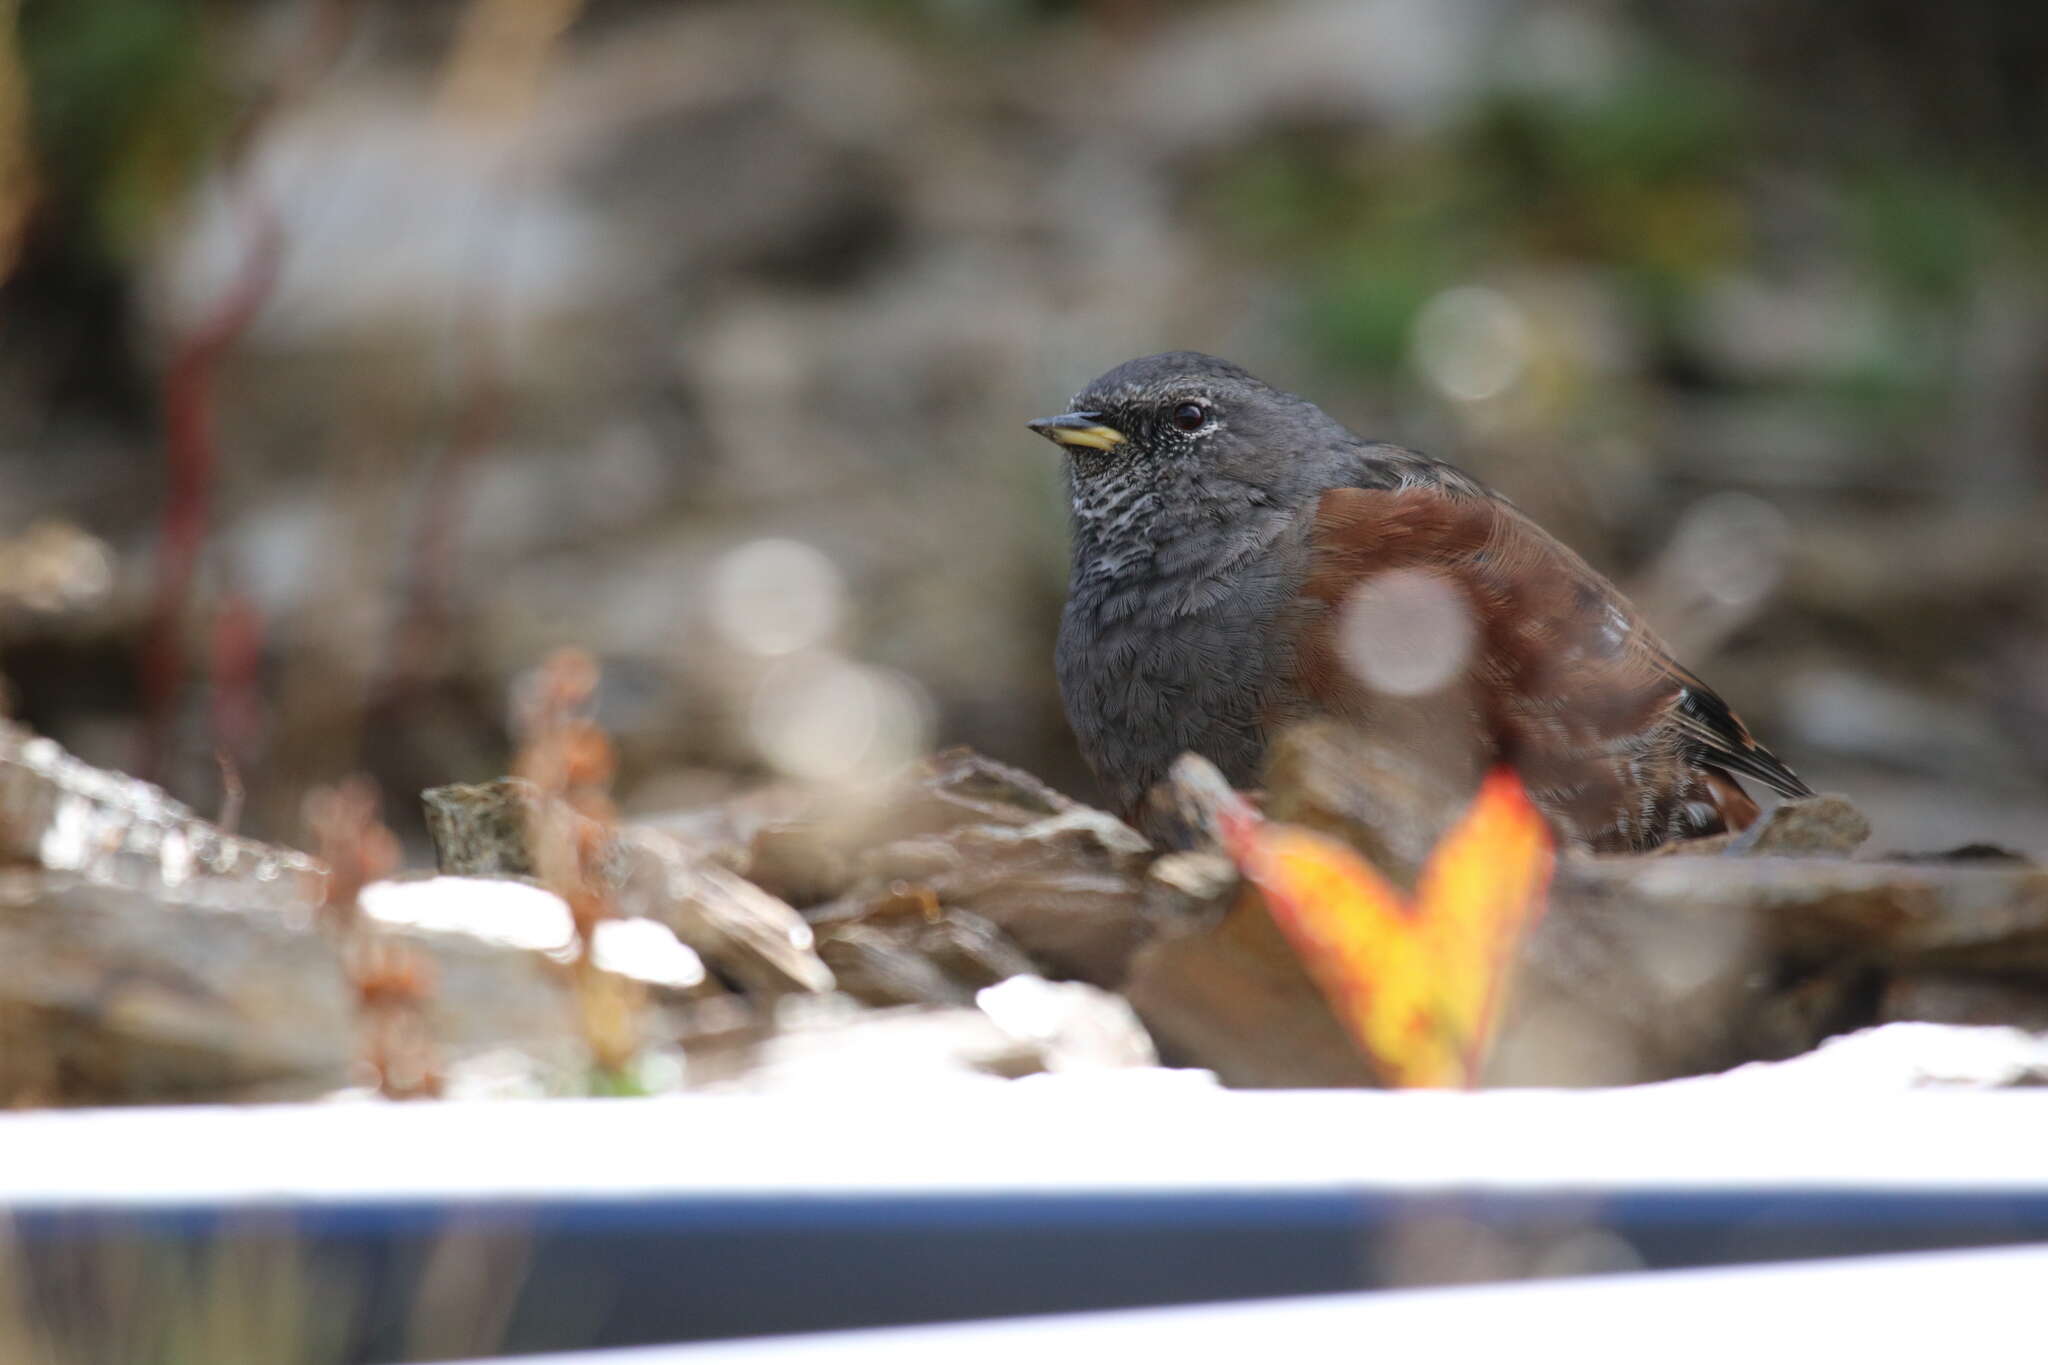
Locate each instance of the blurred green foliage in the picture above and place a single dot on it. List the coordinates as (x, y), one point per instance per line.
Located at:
(1642, 180)
(126, 102)
(1660, 185)
(1926, 233)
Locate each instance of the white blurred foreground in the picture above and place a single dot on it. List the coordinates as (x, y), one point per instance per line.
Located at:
(1970, 1305)
(1101, 1132)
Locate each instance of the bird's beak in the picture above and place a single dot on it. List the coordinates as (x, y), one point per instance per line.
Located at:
(1078, 429)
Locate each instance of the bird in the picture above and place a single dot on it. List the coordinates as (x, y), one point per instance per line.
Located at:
(1242, 561)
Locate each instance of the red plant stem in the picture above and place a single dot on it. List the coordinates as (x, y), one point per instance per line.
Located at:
(191, 459)
(191, 441)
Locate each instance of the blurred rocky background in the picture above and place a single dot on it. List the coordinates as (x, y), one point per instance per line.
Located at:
(356, 353)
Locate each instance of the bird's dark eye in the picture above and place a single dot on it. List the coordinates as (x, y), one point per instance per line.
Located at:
(1190, 416)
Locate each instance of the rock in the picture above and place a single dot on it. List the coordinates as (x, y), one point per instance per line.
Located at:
(1197, 884)
(109, 829)
(973, 835)
(913, 951)
(1992, 915)
(481, 829)
(1965, 998)
(731, 832)
(1651, 968)
(1068, 888)
(756, 938)
(958, 788)
(1644, 968)
(990, 858)
(877, 968)
(1711, 843)
(1825, 824)
(109, 995)
(1232, 998)
(1965, 853)
(150, 956)
(988, 855)
(973, 950)
(799, 862)
(764, 944)
(1618, 989)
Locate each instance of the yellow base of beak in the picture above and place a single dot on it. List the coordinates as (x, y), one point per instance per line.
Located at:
(1079, 429)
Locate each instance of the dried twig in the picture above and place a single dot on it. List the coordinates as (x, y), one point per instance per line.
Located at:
(392, 982)
(232, 792)
(569, 760)
(235, 696)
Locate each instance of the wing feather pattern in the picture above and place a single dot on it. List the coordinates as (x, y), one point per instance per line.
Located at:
(1623, 747)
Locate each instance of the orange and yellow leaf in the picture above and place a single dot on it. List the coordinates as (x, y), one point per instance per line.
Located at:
(1416, 980)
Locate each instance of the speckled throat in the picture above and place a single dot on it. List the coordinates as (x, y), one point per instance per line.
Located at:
(1169, 641)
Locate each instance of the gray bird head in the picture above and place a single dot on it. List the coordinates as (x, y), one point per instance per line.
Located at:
(1185, 430)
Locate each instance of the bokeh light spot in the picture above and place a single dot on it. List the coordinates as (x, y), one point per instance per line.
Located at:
(1406, 633)
(1731, 547)
(826, 718)
(1472, 343)
(777, 596)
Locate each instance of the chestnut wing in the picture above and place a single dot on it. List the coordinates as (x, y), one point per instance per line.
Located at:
(1621, 744)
